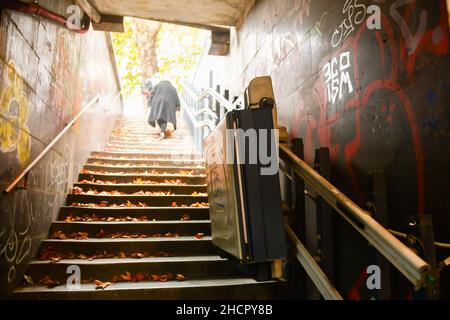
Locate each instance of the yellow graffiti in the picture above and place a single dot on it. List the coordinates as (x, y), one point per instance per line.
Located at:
(14, 104)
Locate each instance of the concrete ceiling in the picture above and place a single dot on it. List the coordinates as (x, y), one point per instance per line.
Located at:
(212, 13)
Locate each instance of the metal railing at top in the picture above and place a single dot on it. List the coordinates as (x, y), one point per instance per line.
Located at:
(216, 97)
(41, 155)
(202, 118)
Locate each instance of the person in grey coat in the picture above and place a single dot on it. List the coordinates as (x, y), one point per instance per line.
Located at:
(165, 103)
(146, 90)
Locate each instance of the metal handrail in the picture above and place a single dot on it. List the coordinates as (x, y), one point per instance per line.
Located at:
(318, 277)
(205, 111)
(197, 124)
(193, 95)
(217, 97)
(414, 268)
(25, 172)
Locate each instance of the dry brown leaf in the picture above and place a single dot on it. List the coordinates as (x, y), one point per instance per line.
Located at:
(155, 277)
(199, 235)
(126, 276)
(49, 282)
(180, 277)
(55, 260)
(99, 285)
(58, 235)
(77, 190)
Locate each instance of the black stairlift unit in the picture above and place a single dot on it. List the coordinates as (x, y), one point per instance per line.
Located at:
(245, 205)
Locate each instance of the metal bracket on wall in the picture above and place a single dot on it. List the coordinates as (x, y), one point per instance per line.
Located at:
(422, 231)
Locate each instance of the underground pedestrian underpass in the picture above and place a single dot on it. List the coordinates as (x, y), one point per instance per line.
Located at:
(310, 158)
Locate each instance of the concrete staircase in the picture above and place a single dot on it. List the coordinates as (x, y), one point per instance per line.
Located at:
(138, 218)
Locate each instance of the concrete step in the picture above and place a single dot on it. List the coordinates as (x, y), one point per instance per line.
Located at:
(165, 213)
(195, 267)
(149, 228)
(151, 150)
(205, 289)
(148, 162)
(129, 178)
(131, 137)
(154, 136)
(151, 201)
(149, 138)
(152, 141)
(159, 169)
(181, 246)
(130, 189)
(175, 156)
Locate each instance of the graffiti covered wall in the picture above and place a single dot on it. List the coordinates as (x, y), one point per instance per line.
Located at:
(47, 75)
(377, 98)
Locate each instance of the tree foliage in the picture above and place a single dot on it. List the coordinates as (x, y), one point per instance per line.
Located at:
(178, 50)
(128, 59)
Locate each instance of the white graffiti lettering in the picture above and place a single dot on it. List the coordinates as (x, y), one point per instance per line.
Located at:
(337, 75)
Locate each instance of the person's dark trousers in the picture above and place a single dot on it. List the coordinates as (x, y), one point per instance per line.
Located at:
(162, 125)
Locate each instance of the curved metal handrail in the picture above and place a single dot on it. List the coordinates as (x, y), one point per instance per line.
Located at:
(197, 124)
(414, 268)
(205, 111)
(217, 97)
(25, 172)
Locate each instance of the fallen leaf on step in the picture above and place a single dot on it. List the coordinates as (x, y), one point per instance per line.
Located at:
(79, 236)
(171, 235)
(137, 255)
(170, 276)
(55, 260)
(58, 235)
(103, 204)
(77, 190)
(199, 235)
(163, 278)
(141, 276)
(101, 285)
(154, 277)
(126, 276)
(180, 277)
(49, 282)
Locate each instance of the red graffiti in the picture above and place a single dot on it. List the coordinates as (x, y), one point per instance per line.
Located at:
(394, 59)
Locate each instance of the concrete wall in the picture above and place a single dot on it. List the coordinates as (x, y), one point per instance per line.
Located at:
(377, 98)
(47, 75)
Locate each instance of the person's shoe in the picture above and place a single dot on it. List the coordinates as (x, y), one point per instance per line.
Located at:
(168, 134)
(162, 136)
